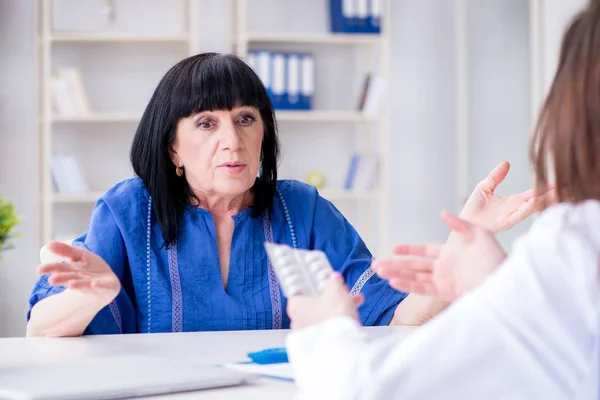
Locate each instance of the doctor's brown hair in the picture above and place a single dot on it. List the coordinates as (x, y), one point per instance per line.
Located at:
(568, 129)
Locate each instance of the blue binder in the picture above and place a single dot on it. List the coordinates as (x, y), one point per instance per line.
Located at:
(261, 62)
(307, 81)
(279, 84)
(342, 16)
(374, 22)
(355, 16)
(294, 76)
(362, 18)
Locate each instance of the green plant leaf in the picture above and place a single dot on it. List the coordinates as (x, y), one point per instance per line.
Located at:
(8, 221)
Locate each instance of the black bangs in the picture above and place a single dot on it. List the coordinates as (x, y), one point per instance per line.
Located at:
(216, 82)
(204, 82)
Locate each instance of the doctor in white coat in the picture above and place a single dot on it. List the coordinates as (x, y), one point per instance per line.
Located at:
(522, 326)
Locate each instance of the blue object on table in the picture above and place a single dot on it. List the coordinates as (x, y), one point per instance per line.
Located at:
(270, 356)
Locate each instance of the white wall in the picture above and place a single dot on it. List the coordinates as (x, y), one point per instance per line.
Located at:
(424, 111)
(499, 122)
(555, 17)
(423, 124)
(18, 157)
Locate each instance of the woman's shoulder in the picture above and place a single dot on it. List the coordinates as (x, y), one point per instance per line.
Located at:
(296, 200)
(296, 188)
(127, 192)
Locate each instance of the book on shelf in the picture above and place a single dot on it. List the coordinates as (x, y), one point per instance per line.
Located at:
(68, 93)
(67, 176)
(372, 95)
(362, 172)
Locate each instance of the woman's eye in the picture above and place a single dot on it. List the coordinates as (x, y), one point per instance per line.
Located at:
(246, 120)
(204, 124)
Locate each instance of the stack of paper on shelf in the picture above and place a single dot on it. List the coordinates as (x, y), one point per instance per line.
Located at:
(68, 93)
(67, 176)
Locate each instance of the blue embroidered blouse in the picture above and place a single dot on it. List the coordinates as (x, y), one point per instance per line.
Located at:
(180, 288)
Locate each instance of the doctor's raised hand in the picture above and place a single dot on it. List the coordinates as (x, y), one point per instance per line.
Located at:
(500, 213)
(485, 209)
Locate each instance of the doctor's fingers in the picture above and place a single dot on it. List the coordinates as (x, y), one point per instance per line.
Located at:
(520, 214)
(549, 189)
(412, 276)
(423, 250)
(335, 286)
(358, 300)
(495, 178)
(299, 304)
(409, 282)
(389, 268)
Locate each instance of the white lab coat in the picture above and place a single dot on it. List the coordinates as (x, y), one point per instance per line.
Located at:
(530, 331)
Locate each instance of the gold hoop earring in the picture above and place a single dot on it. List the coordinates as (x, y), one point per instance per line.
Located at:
(179, 171)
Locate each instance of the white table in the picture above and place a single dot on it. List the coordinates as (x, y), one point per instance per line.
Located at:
(207, 348)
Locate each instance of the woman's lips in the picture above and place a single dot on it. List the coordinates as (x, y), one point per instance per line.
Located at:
(234, 167)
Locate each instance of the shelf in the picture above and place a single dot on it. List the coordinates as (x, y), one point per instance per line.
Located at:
(323, 116)
(97, 117)
(341, 194)
(63, 198)
(326, 38)
(114, 38)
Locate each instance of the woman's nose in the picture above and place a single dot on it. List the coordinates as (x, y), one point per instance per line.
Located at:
(230, 139)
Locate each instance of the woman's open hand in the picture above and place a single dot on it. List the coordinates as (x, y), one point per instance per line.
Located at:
(444, 271)
(83, 271)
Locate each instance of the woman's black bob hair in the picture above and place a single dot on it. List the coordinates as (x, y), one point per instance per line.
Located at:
(207, 81)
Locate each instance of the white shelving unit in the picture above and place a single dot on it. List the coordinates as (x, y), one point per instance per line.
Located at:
(369, 132)
(324, 116)
(327, 38)
(300, 116)
(75, 46)
(96, 117)
(115, 38)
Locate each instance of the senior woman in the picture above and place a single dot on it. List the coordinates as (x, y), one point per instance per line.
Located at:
(179, 247)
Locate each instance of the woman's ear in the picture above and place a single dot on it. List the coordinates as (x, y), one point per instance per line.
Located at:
(174, 156)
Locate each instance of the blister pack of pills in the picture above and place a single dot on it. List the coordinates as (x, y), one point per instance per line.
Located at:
(299, 271)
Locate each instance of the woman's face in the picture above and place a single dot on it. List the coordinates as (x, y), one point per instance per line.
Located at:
(219, 150)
